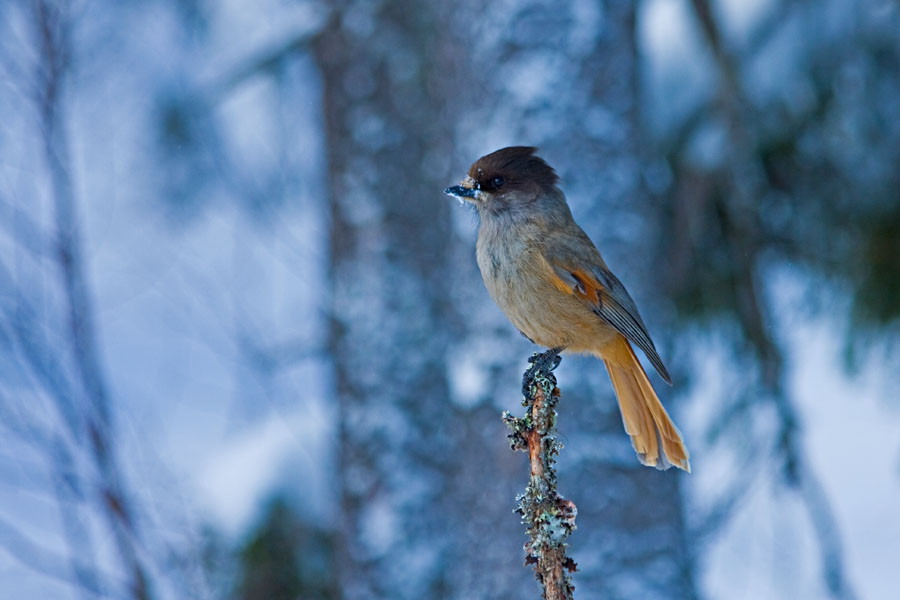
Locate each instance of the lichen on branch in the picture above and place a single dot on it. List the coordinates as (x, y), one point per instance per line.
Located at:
(549, 518)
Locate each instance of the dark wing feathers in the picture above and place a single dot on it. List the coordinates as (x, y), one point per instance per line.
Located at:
(575, 260)
(619, 310)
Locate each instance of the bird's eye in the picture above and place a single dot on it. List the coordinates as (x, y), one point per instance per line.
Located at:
(497, 182)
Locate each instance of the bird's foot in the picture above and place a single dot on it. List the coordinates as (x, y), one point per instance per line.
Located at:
(548, 360)
(540, 362)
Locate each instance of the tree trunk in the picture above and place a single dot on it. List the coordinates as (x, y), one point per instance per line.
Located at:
(389, 116)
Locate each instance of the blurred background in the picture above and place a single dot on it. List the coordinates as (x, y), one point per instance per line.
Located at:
(245, 352)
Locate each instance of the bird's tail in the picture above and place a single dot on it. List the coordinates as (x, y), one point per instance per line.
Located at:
(645, 419)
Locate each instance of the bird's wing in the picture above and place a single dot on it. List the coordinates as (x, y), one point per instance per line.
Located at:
(580, 270)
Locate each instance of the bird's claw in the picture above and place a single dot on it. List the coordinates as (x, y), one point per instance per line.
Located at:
(545, 361)
(548, 360)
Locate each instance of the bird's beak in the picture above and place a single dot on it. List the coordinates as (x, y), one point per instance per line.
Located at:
(467, 190)
(461, 192)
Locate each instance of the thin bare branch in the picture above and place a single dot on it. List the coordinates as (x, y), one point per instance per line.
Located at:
(51, 29)
(47, 562)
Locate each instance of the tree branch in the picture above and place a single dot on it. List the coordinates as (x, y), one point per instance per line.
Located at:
(549, 517)
(52, 36)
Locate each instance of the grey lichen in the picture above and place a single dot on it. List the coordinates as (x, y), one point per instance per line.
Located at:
(548, 517)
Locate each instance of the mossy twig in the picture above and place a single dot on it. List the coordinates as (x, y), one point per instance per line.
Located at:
(549, 518)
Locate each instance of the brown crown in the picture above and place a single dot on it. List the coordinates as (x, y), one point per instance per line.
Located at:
(516, 165)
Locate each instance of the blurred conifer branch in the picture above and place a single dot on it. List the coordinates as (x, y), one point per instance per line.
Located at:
(745, 183)
(549, 517)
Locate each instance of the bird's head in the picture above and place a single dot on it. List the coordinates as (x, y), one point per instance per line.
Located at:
(509, 178)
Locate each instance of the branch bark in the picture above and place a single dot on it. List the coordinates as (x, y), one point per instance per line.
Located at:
(549, 518)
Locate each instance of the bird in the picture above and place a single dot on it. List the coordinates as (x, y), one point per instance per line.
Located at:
(548, 277)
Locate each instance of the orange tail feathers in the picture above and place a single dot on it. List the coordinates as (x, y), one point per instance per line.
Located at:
(644, 417)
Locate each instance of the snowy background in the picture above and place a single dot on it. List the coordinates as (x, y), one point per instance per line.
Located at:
(245, 352)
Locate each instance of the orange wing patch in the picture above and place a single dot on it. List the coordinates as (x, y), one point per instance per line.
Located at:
(558, 277)
(577, 282)
(588, 287)
(560, 284)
